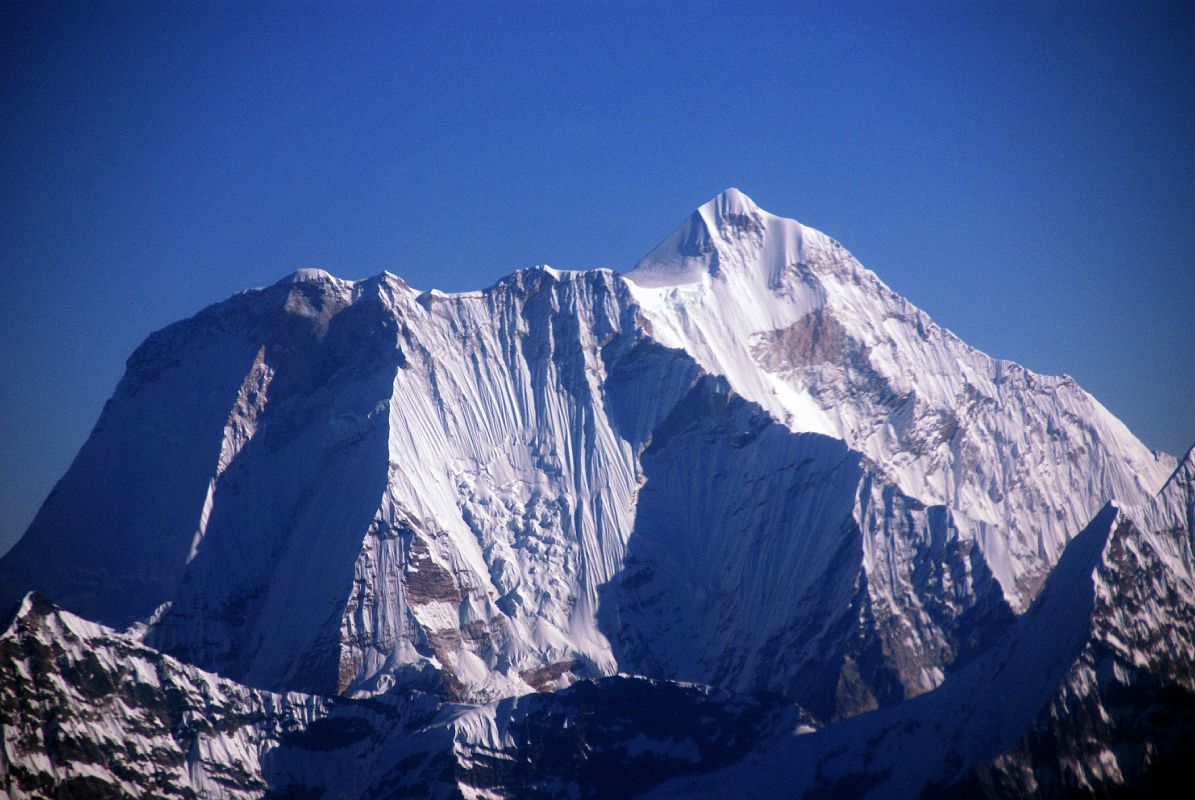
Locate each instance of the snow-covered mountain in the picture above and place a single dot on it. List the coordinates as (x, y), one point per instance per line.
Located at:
(801, 328)
(1089, 693)
(745, 464)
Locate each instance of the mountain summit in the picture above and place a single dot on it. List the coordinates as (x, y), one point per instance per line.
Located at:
(693, 249)
(746, 464)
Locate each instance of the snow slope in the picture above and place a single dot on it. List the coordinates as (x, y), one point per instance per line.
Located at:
(342, 486)
(746, 464)
(1092, 691)
(797, 325)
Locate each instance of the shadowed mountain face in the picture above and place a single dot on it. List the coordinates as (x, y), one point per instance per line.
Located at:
(746, 464)
(745, 567)
(1090, 693)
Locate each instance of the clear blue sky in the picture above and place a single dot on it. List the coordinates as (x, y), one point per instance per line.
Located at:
(1024, 172)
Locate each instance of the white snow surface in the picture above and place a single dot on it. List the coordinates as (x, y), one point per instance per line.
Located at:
(1032, 456)
(340, 485)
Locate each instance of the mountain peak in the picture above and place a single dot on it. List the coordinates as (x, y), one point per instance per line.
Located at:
(307, 275)
(690, 252)
(727, 205)
(728, 225)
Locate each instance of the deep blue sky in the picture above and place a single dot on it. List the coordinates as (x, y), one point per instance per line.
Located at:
(1024, 172)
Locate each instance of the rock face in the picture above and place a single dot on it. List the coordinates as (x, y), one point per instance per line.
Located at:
(90, 712)
(1123, 718)
(746, 464)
